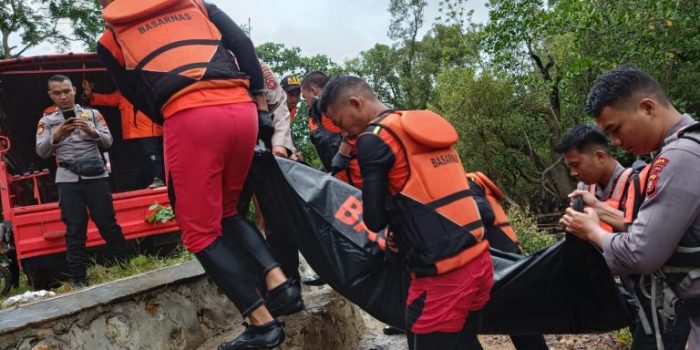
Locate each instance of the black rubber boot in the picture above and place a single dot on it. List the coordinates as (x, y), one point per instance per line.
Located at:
(285, 299)
(227, 272)
(267, 336)
(391, 330)
(314, 280)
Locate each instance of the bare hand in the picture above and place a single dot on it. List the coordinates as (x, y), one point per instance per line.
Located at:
(589, 199)
(87, 88)
(279, 151)
(581, 225)
(64, 129)
(85, 127)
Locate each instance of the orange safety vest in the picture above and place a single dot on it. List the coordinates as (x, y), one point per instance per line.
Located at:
(171, 48)
(617, 196)
(495, 196)
(635, 194)
(437, 221)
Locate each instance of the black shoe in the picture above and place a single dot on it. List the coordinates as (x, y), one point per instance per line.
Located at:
(267, 336)
(314, 280)
(391, 330)
(284, 299)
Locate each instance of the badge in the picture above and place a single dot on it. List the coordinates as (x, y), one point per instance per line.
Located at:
(270, 81)
(40, 128)
(85, 115)
(656, 168)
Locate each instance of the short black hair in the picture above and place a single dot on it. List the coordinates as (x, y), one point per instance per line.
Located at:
(59, 78)
(615, 87)
(316, 78)
(584, 138)
(338, 86)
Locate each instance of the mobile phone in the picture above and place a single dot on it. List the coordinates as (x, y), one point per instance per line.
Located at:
(69, 114)
(577, 203)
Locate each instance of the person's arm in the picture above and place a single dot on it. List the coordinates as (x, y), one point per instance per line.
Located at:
(485, 210)
(376, 160)
(104, 136)
(45, 140)
(671, 207)
(607, 214)
(236, 41)
(277, 101)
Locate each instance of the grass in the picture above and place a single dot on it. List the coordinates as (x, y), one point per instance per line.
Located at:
(100, 274)
(624, 337)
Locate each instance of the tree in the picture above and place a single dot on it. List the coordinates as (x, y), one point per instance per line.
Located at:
(284, 60)
(37, 21)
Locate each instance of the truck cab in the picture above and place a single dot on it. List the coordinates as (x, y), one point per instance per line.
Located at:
(32, 230)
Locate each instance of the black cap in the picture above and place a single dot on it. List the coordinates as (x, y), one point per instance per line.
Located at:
(290, 83)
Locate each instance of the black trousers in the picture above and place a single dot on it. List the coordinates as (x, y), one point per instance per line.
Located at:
(674, 335)
(149, 153)
(76, 200)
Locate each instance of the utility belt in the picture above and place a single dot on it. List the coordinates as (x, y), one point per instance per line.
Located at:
(92, 166)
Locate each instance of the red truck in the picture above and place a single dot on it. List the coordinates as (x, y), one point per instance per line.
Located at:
(32, 231)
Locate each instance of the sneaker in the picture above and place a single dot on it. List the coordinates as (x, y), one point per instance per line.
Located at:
(285, 299)
(156, 183)
(267, 336)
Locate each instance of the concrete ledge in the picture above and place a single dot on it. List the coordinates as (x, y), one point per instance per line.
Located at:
(72, 303)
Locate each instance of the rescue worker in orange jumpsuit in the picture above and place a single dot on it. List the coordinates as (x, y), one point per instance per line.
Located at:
(189, 67)
(144, 137)
(453, 273)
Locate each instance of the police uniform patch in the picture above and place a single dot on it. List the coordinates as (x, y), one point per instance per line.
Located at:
(656, 168)
(270, 81)
(40, 128)
(85, 115)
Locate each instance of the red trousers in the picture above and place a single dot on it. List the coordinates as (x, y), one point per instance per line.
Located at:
(442, 303)
(208, 152)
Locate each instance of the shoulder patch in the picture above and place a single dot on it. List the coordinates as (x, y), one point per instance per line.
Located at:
(654, 175)
(270, 81)
(40, 128)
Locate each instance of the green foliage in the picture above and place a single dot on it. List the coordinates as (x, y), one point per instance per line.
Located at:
(283, 60)
(36, 21)
(160, 214)
(624, 337)
(136, 265)
(530, 236)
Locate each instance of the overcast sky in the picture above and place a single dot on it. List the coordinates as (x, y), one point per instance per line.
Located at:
(337, 28)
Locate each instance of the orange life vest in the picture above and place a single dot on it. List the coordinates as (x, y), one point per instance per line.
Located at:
(635, 194)
(495, 196)
(617, 196)
(170, 48)
(436, 220)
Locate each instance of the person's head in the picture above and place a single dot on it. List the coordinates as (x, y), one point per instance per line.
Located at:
(312, 86)
(350, 103)
(632, 107)
(291, 84)
(62, 91)
(587, 154)
(104, 3)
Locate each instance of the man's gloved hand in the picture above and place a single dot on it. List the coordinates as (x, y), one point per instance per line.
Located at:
(340, 162)
(265, 127)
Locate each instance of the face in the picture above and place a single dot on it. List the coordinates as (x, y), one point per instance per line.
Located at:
(634, 128)
(293, 97)
(62, 94)
(351, 115)
(309, 94)
(587, 167)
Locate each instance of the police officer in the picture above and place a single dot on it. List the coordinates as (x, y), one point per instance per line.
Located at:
(291, 84)
(601, 177)
(281, 141)
(75, 134)
(662, 242)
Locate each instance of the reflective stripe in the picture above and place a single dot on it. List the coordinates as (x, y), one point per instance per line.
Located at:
(157, 52)
(687, 250)
(441, 202)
